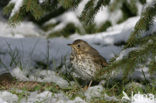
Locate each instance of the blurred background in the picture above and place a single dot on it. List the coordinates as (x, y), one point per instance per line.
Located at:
(54, 18)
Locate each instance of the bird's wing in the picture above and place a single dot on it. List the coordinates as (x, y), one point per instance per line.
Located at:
(100, 60)
(97, 58)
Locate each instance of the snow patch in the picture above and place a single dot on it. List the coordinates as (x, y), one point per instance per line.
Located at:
(134, 85)
(2, 101)
(41, 1)
(48, 97)
(126, 25)
(101, 16)
(77, 100)
(94, 91)
(7, 97)
(64, 19)
(18, 5)
(29, 51)
(23, 29)
(108, 98)
(41, 97)
(140, 8)
(81, 7)
(125, 53)
(115, 34)
(39, 76)
(142, 74)
(18, 74)
(35, 97)
(104, 14)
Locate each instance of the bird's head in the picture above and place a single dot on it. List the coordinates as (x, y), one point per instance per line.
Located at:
(80, 46)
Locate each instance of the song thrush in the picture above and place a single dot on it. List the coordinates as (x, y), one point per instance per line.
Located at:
(86, 60)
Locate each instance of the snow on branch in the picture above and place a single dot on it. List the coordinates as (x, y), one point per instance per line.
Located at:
(18, 5)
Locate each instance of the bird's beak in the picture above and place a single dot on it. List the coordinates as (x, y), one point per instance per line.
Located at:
(69, 44)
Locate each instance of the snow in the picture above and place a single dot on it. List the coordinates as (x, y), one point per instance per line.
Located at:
(93, 92)
(24, 29)
(41, 1)
(28, 51)
(98, 92)
(72, 16)
(149, 1)
(139, 98)
(49, 97)
(35, 97)
(80, 7)
(104, 15)
(109, 98)
(125, 53)
(2, 101)
(4, 97)
(18, 5)
(36, 48)
(140, 8)
(101, 16)
(64, 19)
(39, 76)
(138, 74)
(134, 85)
(115, 34)
(41, 97)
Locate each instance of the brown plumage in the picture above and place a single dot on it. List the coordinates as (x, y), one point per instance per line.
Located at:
(86, 60)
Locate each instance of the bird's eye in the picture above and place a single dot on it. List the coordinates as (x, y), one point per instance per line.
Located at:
(78, 45)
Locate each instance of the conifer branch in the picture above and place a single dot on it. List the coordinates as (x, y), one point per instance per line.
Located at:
(143, 24)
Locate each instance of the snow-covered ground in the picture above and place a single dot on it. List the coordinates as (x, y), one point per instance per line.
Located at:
(92, 92)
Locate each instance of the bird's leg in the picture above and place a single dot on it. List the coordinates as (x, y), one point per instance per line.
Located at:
(90, 83)
(87, 86)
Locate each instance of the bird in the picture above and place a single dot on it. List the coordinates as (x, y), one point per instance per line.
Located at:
(86, 60)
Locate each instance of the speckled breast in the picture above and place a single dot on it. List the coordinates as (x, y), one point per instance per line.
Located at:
(84, 67)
